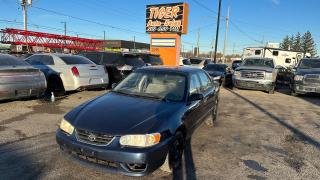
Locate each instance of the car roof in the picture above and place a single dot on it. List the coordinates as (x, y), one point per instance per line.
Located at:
(259, 58)
(177, 69)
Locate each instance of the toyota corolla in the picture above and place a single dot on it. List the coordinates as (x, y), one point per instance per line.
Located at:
(143, 123)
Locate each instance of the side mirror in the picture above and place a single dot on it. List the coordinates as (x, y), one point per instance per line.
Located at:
(113, 85)
(195, 97)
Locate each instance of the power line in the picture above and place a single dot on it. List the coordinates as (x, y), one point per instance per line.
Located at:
(89, 21)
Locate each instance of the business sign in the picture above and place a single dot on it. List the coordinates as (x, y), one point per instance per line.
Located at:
(167, 18)
(163, 42)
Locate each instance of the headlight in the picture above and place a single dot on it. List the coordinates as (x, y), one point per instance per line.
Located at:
(237, 73)
(140, 140)
(66, 127)
(271, 76)
(298, 78)
(216, 78)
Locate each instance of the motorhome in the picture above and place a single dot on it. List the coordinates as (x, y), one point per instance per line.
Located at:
(281, 57)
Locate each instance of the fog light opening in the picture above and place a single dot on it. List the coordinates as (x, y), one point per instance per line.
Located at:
(136, 167)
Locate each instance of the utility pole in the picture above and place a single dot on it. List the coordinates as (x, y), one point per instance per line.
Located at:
(212, 48)
(25, 4)
(65, 27)
(134, 42)
(226, 36)
(104, 35)
(217, 33)
(234, 48)
(198, 42)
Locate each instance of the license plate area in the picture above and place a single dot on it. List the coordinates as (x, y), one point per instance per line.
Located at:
(95, 81)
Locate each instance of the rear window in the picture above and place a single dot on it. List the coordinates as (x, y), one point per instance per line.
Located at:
(215, 67)
(133, 61)
(75, 60)
(195, 61)
(7, 60)
(153, 60)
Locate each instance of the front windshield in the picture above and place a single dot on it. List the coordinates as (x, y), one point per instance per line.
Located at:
(158, 85)
(215, 67)
(259, 62)
(309, 63)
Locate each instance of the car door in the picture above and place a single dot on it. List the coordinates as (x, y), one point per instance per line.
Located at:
(193, 113)
(208, 94)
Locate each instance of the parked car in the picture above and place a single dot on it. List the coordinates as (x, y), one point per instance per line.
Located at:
(306, 77)
(256, 73)
(65, 72)
(18, 79)
(118, 65)
(184, 62)
(236, 64)
(220, 73)
(143, 123)
(151, 59)
(199, 63)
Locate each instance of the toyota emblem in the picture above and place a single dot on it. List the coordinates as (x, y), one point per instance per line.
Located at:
(91, 137)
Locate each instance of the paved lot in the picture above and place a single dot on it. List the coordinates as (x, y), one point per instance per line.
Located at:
(257, 136)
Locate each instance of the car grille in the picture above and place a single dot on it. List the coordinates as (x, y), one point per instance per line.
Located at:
(252, 74)
(94, 138)
(312, 79)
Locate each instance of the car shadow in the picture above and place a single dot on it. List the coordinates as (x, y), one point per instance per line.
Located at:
(297, 133)
(187, 170)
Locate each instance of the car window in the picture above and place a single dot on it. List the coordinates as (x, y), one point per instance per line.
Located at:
(34, 60)
(133, 61)
(75, 60)
(195, 85)
(259, 62)
(94, 57)
(7, 60)
(159, 85)
(215, 67)
(204, 80)
(309, 63)
(195, 61)
(112, 58)
(186, 62)
(46, 60)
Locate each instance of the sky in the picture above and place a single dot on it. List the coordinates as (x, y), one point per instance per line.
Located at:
(252, 22)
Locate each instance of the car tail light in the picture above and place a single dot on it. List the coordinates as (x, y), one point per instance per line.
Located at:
(75, 71)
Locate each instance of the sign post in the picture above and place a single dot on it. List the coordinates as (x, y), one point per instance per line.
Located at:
(165, 23)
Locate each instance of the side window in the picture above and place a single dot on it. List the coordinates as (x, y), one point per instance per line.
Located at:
(194, 85)
(110, 58)
(288, 60)
(34, 60)
(47, 60)
(257, 52)
(205, 81)
(275, 53)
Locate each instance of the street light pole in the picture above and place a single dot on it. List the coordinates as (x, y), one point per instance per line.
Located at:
(217, 33)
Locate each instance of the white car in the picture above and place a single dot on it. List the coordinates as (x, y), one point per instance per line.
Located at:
(65, 72)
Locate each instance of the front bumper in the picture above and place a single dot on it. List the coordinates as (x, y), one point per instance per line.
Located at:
(264, 85)
(113, 157)
(302, 88)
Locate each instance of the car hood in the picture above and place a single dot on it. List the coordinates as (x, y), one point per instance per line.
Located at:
(256, 68)
(308, 71)
(215, 73)
(117, 114)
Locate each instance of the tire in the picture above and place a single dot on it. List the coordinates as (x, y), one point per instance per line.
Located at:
(293, 93)
(271, 91)
(174, 156)
(55, 85)
(213, 117)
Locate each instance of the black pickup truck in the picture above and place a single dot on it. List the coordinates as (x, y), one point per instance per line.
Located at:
(306, 77)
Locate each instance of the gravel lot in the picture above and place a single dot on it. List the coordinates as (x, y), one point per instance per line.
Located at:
(257, 136)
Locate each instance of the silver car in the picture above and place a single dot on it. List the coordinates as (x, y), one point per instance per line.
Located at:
(65, 72)
(18, 79)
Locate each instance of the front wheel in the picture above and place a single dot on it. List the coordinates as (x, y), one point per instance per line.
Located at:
(174, 157)
(210, 121)
(271, 91)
